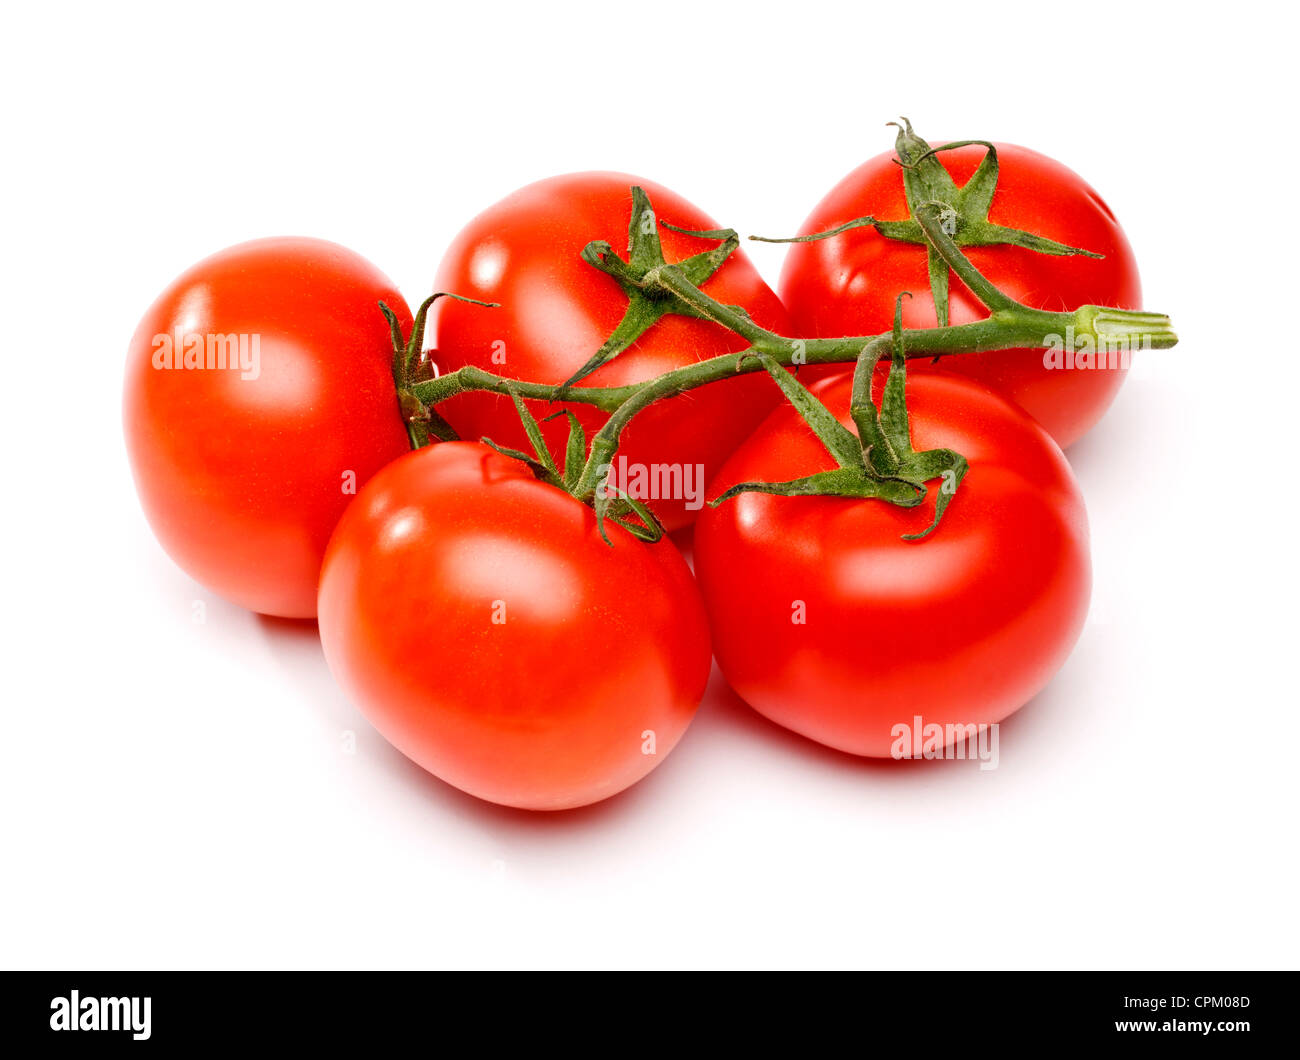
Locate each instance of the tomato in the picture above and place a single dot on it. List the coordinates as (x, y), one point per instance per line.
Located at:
(478, 619)
(243, 471)
(556, 311)
(830, 624)
(846, 285)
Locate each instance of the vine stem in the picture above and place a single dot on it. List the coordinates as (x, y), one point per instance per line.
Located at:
(1006, 328)
(1010, 325)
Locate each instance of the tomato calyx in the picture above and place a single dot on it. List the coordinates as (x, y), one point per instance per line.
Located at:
(963, 211)
(878, 462)
(411, 366)
(650, 282)
(1102, 328)
(608, 502)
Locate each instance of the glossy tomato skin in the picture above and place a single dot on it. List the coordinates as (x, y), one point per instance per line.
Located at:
(477, 618)
(846, 285)
(556, 311)
(962, 627)
(243, 478)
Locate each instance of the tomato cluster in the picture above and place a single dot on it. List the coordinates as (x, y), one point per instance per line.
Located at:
(513, 640)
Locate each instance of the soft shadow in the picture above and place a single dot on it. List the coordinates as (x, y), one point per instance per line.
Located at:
(726, 712)
(298, 627)
(1092, 453)
(294, 640)
(510, 820)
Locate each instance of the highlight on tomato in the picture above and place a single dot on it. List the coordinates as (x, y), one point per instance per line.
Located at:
(557, 311)
(1032, 226)
(259, 397)
(489, 629)
(828, 620)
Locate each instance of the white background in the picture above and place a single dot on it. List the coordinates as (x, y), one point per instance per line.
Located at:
(177, 794)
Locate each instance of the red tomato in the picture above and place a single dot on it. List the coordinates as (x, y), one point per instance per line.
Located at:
(480, 622)
(847, 284)
(828, 623)
(244, 471)
(556, 311)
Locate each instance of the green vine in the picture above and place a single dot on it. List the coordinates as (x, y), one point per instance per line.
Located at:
(879, 461)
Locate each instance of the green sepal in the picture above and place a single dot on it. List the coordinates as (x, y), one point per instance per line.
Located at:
(894, 421)
(613, 505)
(575, 450)
(421, 420)
(395, 335)
(965, 215)
(907, 231)
(534, 433)
(538, 469)
(946, 464)
(878, 463)
(837, 438)
(840, 482)
(927, 180)
(914, 468)
(937, 269)
(647, 304)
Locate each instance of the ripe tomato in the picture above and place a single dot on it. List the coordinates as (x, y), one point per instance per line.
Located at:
(244, 471)
(828, 623)
(556, 311)
(847, 284)
(480, 622)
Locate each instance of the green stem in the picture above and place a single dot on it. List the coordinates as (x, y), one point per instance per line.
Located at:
(863, 411)
(474, 380)
(1012, 327)
(671, 279)
(665, 287)
(1005, 329)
